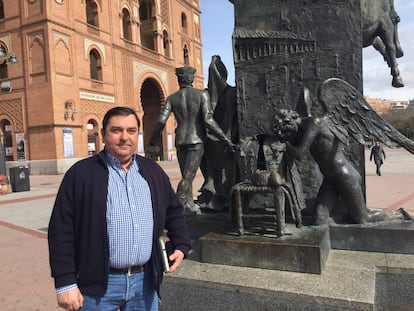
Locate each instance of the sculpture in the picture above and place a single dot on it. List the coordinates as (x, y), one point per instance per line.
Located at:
(191, 108)
(379, 26)
(219, 176)
(281, 178)
(346, 116)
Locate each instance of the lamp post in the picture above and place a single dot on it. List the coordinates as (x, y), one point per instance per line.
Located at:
(7, 57)
(12, 59)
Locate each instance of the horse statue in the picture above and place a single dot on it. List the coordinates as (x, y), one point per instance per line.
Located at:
(379, 27)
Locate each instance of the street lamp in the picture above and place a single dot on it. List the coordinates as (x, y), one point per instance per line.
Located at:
(7, 57)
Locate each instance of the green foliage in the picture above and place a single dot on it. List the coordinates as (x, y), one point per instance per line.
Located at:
(402, 120)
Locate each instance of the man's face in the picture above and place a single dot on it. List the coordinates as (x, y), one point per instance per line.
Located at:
(121, 137)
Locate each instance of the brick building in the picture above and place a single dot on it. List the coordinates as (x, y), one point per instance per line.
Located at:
(384, 106)
(381, 106)
(79, 58)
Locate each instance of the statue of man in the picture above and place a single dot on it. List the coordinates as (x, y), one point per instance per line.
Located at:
(191, 109)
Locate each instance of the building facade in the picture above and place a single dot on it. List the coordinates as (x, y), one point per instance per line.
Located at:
(79, 58)
(384, 106)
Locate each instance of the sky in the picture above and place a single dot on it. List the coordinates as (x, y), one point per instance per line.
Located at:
(217, 22)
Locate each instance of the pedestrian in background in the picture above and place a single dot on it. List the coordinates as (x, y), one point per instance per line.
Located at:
(378, 153)
(110, 211)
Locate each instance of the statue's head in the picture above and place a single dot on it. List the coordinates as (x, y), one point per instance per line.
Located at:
(219, 66)
(185, 75)
(286, 123)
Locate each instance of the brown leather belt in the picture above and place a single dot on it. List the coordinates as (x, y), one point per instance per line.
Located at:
(130, 270)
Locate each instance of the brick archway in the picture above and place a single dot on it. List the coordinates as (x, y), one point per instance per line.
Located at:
(151, 99)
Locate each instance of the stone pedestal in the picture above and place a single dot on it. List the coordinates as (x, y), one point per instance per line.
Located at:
(391, 237)
(300, 250)
(350, 281)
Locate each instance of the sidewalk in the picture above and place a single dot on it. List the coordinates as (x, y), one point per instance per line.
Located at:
(25, 283)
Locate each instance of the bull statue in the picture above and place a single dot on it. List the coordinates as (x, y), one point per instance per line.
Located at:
(379, 27)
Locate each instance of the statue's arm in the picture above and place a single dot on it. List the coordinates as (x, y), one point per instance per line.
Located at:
(209, 121)
(310, 127)
(159, 125)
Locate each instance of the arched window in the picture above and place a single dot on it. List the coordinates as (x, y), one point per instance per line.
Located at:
(95, 64)
(166, 43)
(4, 74)
(186, 56)
(1, 9)
(184, 21)
(145, 10)
(3, 67)
(147, 27)
(92, 13)
(126, 25)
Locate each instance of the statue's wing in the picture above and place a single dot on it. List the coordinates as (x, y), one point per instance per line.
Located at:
(217, 80)
(351, 116)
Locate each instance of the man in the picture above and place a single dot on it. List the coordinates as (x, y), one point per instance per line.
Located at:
(191, 108)
(377, 152)
(109, 214)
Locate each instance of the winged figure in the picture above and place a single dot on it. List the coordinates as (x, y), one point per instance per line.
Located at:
(350, 116)
(346, 117)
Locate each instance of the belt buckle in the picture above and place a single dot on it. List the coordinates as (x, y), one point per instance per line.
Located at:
(129, 273)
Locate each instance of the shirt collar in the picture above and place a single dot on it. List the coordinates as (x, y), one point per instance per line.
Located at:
(114, 162)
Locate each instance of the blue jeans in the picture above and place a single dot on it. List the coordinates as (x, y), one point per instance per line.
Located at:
(124, 293)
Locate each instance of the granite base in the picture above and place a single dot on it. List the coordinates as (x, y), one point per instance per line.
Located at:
(301, 250)
(391, 237)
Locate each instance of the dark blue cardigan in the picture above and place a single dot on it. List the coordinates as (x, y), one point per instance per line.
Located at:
(77, 235)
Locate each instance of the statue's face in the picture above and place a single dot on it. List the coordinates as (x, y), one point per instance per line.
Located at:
(287, 123)
(291, 123)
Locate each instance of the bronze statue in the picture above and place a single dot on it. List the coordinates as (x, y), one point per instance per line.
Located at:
(280, 179)
(379, 27)
(191, 109)
(219, 176)
(346, 115)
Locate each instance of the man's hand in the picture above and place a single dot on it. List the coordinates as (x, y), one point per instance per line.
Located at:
(177, 258)
(70, 300)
